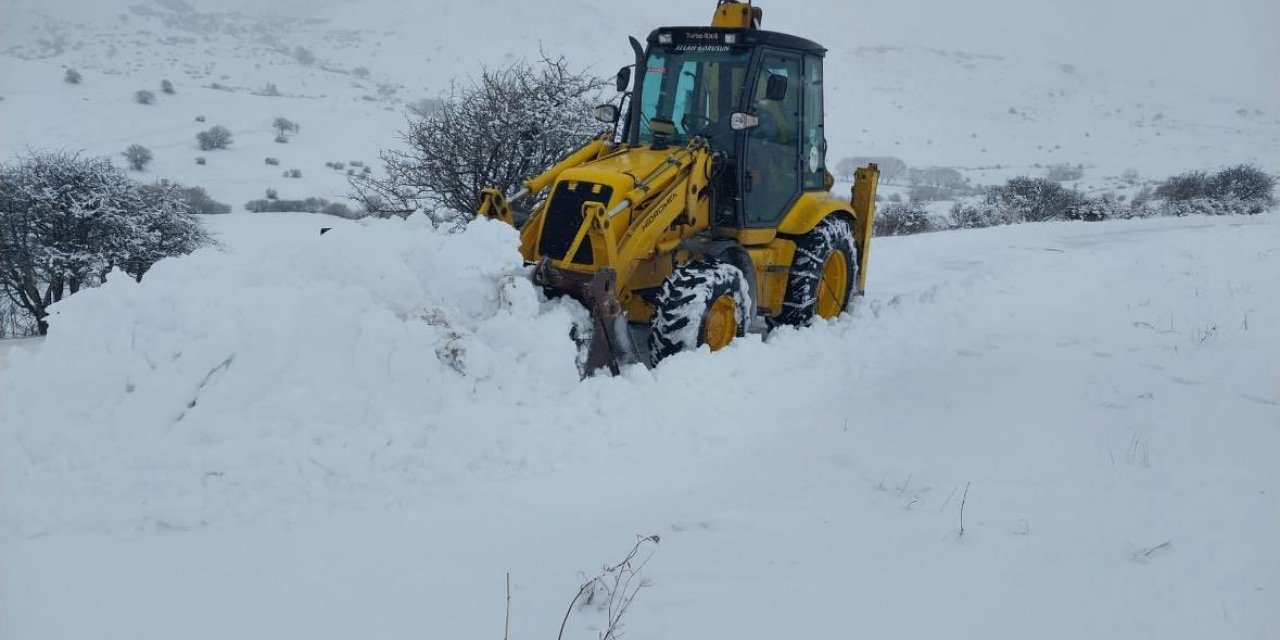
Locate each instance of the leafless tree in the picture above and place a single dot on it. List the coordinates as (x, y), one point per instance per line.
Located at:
(495, 131)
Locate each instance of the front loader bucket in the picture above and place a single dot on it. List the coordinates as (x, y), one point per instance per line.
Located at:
(611, 345)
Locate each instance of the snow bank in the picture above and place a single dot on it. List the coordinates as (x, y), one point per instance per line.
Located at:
(227, 377)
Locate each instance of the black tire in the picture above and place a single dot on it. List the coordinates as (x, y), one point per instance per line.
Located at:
(683, 304)
(813, 249)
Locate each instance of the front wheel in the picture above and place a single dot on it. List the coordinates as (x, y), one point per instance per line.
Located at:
(701, 302)
(823, 273)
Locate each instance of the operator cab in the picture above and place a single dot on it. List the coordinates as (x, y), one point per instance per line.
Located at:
(754, 96)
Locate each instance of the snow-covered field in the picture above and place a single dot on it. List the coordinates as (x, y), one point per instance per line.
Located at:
(334, 437)
(1044, 431)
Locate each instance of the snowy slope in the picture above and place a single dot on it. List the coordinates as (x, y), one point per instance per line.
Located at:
(391, 438)
(995, 106)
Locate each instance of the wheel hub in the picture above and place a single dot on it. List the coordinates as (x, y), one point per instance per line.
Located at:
(722, 323)
(834, 286)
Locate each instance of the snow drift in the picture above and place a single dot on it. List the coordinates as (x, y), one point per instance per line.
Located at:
(231, 374)
(387, 419)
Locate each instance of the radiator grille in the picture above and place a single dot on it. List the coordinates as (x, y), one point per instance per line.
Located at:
(564, 219)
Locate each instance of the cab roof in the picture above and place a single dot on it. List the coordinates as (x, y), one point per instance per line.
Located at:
(714, 36)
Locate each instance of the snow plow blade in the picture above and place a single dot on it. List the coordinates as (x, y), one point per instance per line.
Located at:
(611, 346)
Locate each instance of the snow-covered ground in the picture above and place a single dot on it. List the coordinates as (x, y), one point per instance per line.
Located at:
(361, 434)
(1046, 431)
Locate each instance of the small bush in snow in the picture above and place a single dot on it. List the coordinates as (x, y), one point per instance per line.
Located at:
(1104, 207)
(304, 56)
(272, 161)
(217, 137)
(199, 118)
(338, 209)
(1188, 186)
(72, 77)
(282, 139)
(144, 97)
(506, 125)
(1064, 172)
(977, 215)
(1245, 183)
(1242, 189)
(67, 221)
(1211, 207)
(200, 160)
(293, 173)
(199, 201)
(361, 72)
(269, 90)
(310, 205)
(137, 156)
(284, 126)
(166, 87)
(272, 194)
(1035, 200)
(896, 219)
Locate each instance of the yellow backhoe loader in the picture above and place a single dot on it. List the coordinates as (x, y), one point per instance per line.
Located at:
(708, 209)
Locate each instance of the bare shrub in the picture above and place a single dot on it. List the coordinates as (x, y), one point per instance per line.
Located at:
(1064, 172)
(1243, 182)
(900, 219)
(497, 131)
(144, 97)
(614, 589)
(166, 87)
(276, 205)
(199, 201)
(137, 156)
(1187, 186)
(976, 215)
(304, 55)
(1025, 199)
(72, 77)
(216, 137)
(284, 126)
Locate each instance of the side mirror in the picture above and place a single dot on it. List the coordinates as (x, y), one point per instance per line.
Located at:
(743, 121)
(624, 79)
(776, 90)
(607, 113)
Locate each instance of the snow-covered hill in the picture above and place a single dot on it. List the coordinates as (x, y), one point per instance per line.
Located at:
(359, 434)
(346, 71)
(1044, 431)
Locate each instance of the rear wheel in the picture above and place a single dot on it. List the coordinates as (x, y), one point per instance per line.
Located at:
(822, 273)
(701, 302)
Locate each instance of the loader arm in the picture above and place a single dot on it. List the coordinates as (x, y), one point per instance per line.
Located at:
(670, 191)
(495, 205)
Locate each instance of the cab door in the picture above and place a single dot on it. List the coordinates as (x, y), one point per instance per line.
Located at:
(771, 163)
